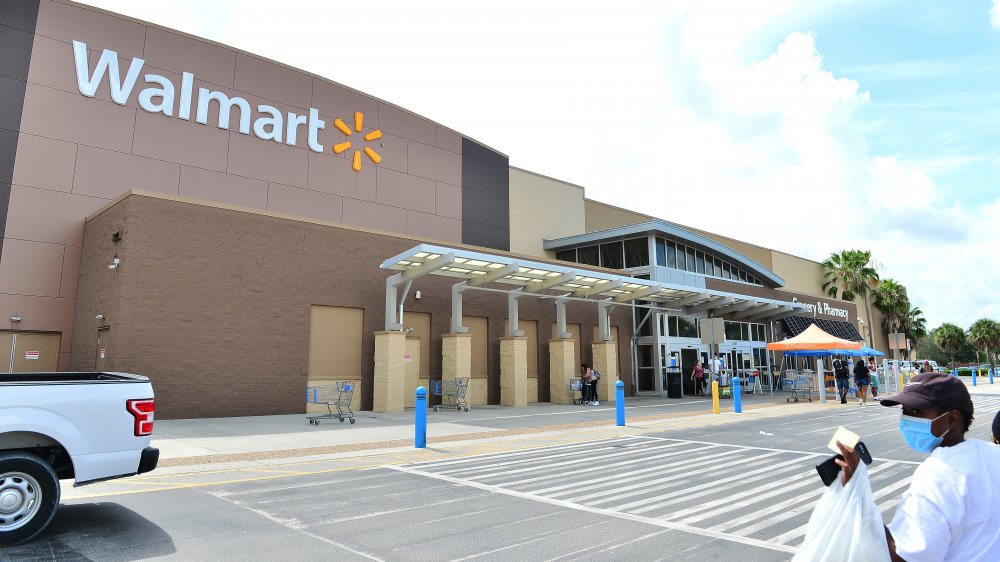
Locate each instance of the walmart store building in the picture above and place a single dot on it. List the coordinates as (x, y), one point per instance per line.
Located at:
(238, 230)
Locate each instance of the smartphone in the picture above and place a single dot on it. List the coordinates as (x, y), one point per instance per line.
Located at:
(829, 469)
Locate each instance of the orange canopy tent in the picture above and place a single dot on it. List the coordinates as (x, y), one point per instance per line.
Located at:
(813, 338)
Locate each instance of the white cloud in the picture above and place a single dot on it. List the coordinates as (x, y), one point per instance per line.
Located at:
(995, 14)
(718, 115)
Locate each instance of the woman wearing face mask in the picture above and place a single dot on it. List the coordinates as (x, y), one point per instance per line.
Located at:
(949, 511)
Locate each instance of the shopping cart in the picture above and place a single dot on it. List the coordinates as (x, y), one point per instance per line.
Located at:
(337, 395)
(576, 390)
(452, 393)
(801, 387)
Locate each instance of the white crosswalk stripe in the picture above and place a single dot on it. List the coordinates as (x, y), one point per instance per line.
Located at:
(755, 494)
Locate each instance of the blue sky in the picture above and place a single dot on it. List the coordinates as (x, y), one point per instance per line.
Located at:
(807, 127)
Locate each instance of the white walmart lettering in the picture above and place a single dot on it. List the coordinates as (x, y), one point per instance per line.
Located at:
(159, 97)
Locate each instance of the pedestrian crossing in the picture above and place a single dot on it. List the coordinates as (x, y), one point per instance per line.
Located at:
(750, 493)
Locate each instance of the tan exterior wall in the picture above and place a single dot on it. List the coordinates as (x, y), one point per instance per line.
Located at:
(601, 216)
(800, 275)
(542, 208)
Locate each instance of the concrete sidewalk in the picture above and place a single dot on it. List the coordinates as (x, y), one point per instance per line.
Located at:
(202, 441)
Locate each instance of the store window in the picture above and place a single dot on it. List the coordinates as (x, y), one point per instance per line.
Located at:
(690, 258)
(589, 255)
(661, 252)
(637, 252)
(687, 327)
(672, 255)
(612, 255)
(699, 262)
(732, 331)
(566, 255)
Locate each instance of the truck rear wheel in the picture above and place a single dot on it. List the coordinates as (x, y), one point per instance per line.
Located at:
(29, 495)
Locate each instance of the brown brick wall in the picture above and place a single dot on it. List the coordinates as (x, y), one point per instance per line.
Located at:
(213, 304)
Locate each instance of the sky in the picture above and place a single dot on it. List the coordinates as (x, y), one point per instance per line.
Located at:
(806, 127)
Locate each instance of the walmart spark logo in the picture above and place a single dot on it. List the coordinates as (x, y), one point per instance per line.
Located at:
(339, 148)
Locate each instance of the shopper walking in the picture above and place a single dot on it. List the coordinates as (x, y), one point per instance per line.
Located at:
(861, 379)
(842, 373)
(698, 376)
(926, 367)
(873, 375)
(948, 512)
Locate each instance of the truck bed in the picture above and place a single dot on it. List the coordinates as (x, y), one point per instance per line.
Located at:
(70, 377)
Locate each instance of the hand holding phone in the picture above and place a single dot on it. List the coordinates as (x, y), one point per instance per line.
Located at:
(829, 469)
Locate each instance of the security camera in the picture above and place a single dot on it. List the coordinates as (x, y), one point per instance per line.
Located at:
(114, 263)
(99, 317)
(15, 318)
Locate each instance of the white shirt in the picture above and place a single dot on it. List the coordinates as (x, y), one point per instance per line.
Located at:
(952, 508)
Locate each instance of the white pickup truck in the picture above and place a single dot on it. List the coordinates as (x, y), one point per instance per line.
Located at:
(82, 426)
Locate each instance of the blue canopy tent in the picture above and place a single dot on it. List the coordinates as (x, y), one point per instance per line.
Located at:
(865, 350)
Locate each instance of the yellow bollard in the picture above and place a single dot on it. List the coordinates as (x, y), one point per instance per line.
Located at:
(715, 397)
(901, 382)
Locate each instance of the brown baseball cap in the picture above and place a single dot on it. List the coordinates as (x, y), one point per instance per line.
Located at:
(938, 391)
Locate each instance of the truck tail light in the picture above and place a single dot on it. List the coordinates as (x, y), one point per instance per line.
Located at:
(142, 410)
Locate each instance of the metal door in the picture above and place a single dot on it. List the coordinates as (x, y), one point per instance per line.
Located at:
(103, 358)
(33, 352)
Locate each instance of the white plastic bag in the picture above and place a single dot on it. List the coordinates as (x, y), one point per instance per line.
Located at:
(846, 525)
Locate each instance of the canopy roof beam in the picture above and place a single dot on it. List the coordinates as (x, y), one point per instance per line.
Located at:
(735, 307)
(539, 286)
(758, 309)
(711, 305)
(493, 275)
(599, 288)
(637, 295)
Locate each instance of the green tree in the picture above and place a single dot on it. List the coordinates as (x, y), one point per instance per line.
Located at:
(985, 335)
(850, 275)
(950, 338)
(927, 349)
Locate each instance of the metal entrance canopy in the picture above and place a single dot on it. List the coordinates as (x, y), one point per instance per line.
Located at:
(541, 279)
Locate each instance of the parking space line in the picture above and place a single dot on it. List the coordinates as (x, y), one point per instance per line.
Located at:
(598, 511)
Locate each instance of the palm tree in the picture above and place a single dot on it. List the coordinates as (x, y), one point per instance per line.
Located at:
(891, 300)
(851, 274)
(914, 325)
(985, 334)
(950, 338)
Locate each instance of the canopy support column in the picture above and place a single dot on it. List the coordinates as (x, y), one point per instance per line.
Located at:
(604, 320)
(561, 320)
(512, 312)
(456, 309)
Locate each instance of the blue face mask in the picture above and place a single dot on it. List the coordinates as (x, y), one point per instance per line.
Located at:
(917, 433)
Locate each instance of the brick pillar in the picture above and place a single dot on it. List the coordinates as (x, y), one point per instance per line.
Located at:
(562, 369)
(514, 372)
(390, 372)
(606, 361)
(456, 356)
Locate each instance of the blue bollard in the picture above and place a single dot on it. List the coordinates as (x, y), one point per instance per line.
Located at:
(974, 373)
(620, 404)
(420, 419)
(991, 375)
(737, 396)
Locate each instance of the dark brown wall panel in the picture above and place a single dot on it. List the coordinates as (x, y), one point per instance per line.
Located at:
(17, 33)
(214, 304)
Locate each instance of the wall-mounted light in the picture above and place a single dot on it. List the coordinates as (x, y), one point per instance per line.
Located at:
(15, 318)
(99, 317)
(114, 263)
(416, 295)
